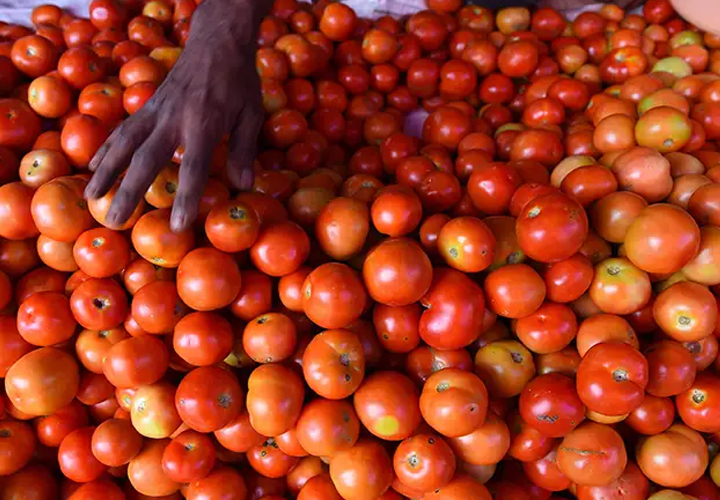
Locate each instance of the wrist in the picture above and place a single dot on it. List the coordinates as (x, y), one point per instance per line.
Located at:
(235, 19)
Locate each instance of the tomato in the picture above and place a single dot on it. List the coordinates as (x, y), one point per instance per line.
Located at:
(424, 462)
(686, 311)
(514, 290)
(136, 361)
(208, 279)
(101, 253)
(53, 428)
(334, 364)
(80, 66)
(518, 59)
(45, 319)
(115, 442)
(202, 338)
(387, 405)
(454, 392)
(611, 378)
(550, 404)
(333, 296)
(604, 328)
(674, 458)
(327, 427)
(342, 227)
(317, 487)
(222, 481)
(505, 366)
(280, 248)
(18, 445)
(208, 398)
(363, 471)
(551, 227)
(662, 247)
(270, 387)
(446, 126)
(619, 287)
(75, 456)
(696, 405)
(153, 412)
(592, 455)
(34, 480)
(396, 211)
(631, 484)
(145, 471)
(397, 327)
(549, 329)
(15, 214)
(42, 381)
(454, 311)
(269, 460)
(486, 445)
(99, 304)
(397, 272)
(189, 457)
(238, 435)
(262, 333)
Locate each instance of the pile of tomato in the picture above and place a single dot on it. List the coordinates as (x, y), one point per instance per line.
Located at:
(519, 304)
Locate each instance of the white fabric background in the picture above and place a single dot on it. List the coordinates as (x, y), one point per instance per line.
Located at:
(18, 11)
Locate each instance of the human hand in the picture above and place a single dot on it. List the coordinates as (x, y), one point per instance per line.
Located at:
(213, 90)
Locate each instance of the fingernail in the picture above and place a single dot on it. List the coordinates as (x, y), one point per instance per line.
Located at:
(90, 192)
(177, 222)
(246, 178)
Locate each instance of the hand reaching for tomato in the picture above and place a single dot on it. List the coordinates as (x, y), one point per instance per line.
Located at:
(213, 90)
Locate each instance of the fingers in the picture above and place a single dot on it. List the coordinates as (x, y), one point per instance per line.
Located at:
(243, 147)
(147, 161)
(113, 156)
(194, 173)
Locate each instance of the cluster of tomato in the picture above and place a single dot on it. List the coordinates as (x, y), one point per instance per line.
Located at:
(520, 305)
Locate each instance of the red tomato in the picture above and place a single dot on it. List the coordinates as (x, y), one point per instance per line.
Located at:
(611, 378)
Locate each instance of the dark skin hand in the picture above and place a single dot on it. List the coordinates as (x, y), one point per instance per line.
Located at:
(213, 90)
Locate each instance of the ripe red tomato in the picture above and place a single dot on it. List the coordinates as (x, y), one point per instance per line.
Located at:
(333, 296)
(455, 306)
(611, 378)
(592, 455)
(327, 427)
(76, 459)
(334, 363)
(273, 386)
(115, 442)
(208, 279)
(454, 392)
(136, 361)
(42, 381)
(45, 319)
(202, 338)
(551, 227)
(99, 304)
(208, 398)
(387, 405)
(18, 446)
(551, 405)
(514, 290)
(675, 458)
(424, 462)
(363, 471)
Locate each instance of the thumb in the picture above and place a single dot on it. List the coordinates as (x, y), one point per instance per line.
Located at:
(242, 147)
